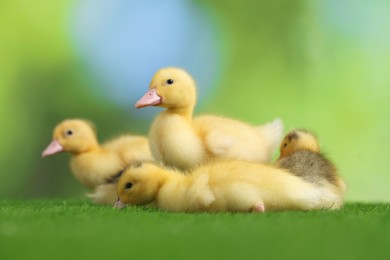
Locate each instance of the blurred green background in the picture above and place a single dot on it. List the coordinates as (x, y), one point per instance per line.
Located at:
(321, 65)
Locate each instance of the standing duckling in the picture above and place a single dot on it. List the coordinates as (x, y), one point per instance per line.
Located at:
(96, 165)
(180, 141)
(300, 154)
(234, 186)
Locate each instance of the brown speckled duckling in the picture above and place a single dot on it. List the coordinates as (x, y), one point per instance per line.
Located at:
(300, 154)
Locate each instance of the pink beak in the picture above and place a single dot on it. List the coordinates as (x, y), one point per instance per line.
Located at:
(119, 204)
(53, 148)
(151, 98)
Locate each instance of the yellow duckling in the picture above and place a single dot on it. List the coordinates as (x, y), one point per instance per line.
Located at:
(235, 186)
(180, 141)
(300, 154)
(95, 165)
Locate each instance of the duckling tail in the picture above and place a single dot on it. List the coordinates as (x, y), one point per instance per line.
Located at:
(273, 132)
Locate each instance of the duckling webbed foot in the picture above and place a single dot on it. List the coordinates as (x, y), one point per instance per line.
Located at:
(258, 208)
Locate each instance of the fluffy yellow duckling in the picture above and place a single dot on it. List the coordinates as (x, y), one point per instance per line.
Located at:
(180, 141)
(300, 154)
(96, 165)
(235, 186)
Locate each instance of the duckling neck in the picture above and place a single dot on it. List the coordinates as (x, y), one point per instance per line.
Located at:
(171, 195)
(182, 111)
(170, 176)
(93, 146)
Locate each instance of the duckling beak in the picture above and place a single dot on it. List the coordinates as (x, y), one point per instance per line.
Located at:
(151, 98)
(119, 204)
(53, 148)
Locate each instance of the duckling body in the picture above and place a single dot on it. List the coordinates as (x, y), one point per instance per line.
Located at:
(175, 142)
(178, 140)
(300, 154)
(92, 168)
(93, 164)
(234, 186)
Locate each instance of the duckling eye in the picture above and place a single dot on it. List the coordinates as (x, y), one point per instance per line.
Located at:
(128, 185)
(69, 132)
(170, 81)
(285, 144)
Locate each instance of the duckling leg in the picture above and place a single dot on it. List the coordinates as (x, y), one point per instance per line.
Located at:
(258, 208)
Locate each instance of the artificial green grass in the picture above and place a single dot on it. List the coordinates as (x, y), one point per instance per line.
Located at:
(72, 229)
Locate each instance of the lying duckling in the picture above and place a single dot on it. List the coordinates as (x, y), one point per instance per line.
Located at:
(235, 186)
(300, 154)
(180, 141)
(93, 164)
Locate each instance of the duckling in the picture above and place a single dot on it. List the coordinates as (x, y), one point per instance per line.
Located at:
(93, 164)
(178, 140)
(219, 186)
(300, 154)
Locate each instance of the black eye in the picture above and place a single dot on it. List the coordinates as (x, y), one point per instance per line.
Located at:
(128, 185)
(69, 132)
(170, 81)
(285, 144)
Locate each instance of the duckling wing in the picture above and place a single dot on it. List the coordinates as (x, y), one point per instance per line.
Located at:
(227, 138)
(92, 169)
(200, 194)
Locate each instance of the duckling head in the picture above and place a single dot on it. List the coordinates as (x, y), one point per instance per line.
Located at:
(299, 140)
(138, 185)
(72, 135)
(170, 88)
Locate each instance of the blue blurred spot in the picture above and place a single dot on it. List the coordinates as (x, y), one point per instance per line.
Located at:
(364, 21)
(125, 42)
